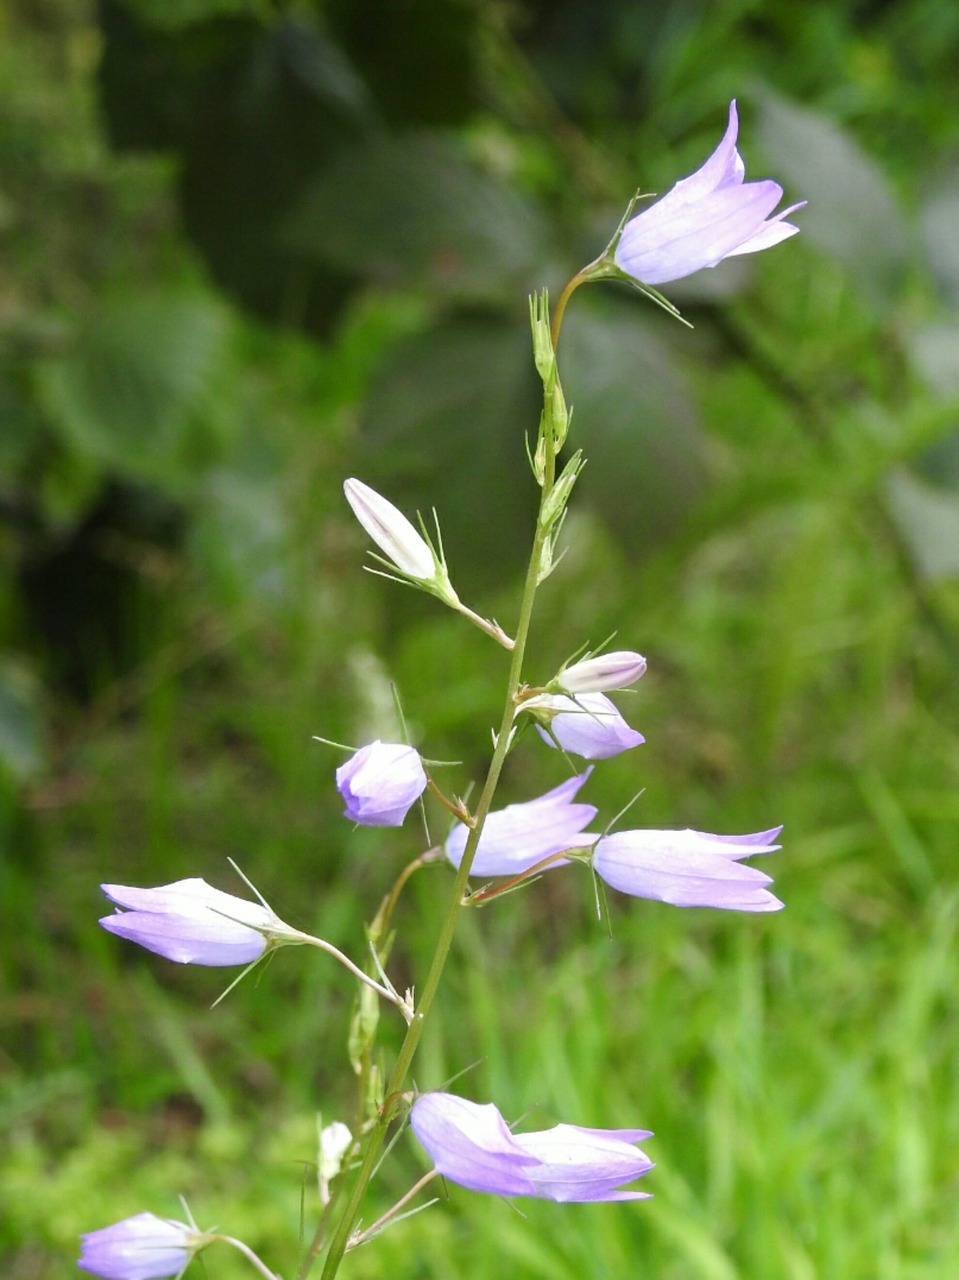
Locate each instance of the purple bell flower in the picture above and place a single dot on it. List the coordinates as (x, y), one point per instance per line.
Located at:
(517, 837)
(190, 922)
(381, 783)
(688, 868)
(472, 1145)
(711, 215)
(588, 725)
(144, 1247)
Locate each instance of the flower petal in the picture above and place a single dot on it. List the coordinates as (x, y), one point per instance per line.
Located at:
(472, 1145)
(517, 837)
(686, 869)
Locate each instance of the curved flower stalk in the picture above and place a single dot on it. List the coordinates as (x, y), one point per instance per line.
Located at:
(588, 725)
(143, 1247)
(514, 839)
(709, 216)
(688, 868)
(472, 1145)
(381, 783)
(190, 922)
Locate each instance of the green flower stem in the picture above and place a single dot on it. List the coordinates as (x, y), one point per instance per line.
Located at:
(580, 278)
(350, 1213)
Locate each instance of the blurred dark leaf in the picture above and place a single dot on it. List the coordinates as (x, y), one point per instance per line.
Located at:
(126, 394)
(929, 518)
(940, 220)
(852, 214)
(172, 15)
(635, 417)
(153, 67)
(935, 349)
(414, 211)
(392, 43)
(21, 753)
(264, 131)
(444, 426)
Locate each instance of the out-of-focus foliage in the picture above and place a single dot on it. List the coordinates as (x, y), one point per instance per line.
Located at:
(247, 249)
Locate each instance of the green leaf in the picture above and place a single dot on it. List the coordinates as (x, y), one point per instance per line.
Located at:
(634, 417)
(444, 426)
(940, 217)
(130, 392)
(929, 518)
(414, 211)
(21, 752)
(852, 214)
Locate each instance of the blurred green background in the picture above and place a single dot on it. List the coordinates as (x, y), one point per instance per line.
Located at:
(250, 248)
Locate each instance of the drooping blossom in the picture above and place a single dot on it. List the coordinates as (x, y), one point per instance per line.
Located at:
(711, 215)
(617, 670)
(190, 922)
(517, 837)
(380, 783)
(143, 1247)
(588, 725)
(472, 1145)
(688, 868)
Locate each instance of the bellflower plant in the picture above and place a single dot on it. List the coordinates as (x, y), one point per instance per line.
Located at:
(472, 1145)
(381, 783)
(709, 216)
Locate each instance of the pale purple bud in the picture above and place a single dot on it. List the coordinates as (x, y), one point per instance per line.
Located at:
(472, 1145)
(517, 837)
(589, 725)
(391, 531)
(617, 670)
(381, 783)
(688, 868)
(190, 922)
(140, 1248)
(711, 215)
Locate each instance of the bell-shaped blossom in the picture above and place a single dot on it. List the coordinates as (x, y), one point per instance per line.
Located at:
(192, 923)
(688, 868)
(380, 783)
(711, 215)
(144, 1247)
(588, 725)
(617, 670)
(472, 1145)
(395, 536)
(517, 837)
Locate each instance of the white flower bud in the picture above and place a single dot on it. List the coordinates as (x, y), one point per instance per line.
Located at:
(391, 531)
(607, 671)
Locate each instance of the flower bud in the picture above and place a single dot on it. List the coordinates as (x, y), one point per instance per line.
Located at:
(190, 922)
(391, 531)
(588, 725)
(381, 783)
(616, 670)
(143, 1247)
